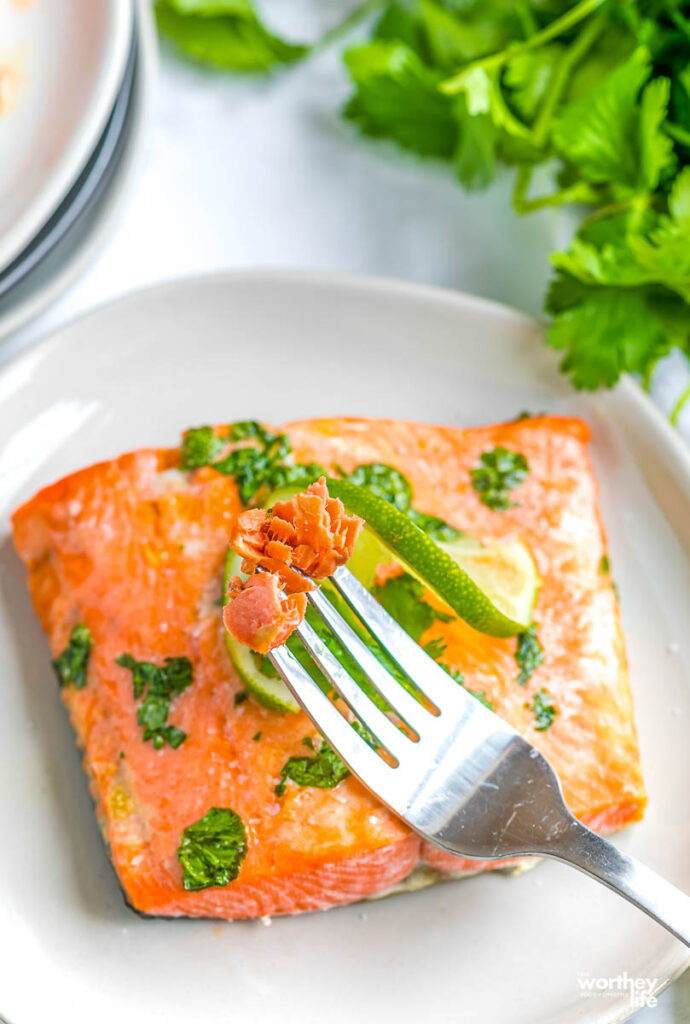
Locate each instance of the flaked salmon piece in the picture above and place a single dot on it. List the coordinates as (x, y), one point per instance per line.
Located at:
(134, 549)
(309, 535)
(311, 532)
(260, 614)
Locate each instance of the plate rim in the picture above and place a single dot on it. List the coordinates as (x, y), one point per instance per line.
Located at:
(118, 35)
(37, 300)
(655, 423)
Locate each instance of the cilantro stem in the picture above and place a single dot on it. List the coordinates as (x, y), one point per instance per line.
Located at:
(496, 60)
(359, 13)
(540, 132)
(681, 23)
(638, 203)
(528, 22)
(578, 193)
(680, 404)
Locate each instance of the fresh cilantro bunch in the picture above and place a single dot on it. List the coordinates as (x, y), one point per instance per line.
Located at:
(158, 685)
(597, 92)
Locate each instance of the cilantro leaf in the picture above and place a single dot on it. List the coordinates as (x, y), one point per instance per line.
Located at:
(608, 331)
(499, 471)
(256, 458)
(475, 158)
(199, 447)
(212, 849)
(397, 97)
(529, 75)
(544, 710)
(663, 254)
(598, 133)
(390, 484)
(72, 664)
(529, 654)
(384, 481)
(657, 156)
(226, 34)
(403, 598)
(324, 770)
(158, 685)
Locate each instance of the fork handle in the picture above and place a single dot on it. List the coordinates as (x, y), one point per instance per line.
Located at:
(586, 850)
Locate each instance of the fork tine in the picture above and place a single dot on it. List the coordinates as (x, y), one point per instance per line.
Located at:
(354, 750)
(409, 709)
(433, 681)
(386, 732)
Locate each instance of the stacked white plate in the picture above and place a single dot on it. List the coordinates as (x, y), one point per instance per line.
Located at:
(74, 75)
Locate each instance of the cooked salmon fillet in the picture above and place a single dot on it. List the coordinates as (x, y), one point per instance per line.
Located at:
(134, 549)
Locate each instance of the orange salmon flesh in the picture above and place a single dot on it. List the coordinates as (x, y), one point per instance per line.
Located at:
(134, 548)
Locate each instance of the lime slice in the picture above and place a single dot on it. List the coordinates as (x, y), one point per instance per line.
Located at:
(504, 570)
(269, 691)
(469, 578)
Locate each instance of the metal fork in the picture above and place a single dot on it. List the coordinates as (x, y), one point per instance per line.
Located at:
(458, 774)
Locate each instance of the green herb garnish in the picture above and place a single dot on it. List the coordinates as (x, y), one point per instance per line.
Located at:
(593, 96)
(384, 481)
(224, 33)
(529, 654)
(604, 565)
(324, 770)
(240, 698)
(72, 664)
(158, 686)
(200, 445)
(403, 598)
(390, 484)
(544, 710)
(256, 458)
(212, 849)
(499, 471)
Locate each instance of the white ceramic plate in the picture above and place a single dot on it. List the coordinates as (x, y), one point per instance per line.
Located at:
(77, 250)
(491, 950)
(66, 58)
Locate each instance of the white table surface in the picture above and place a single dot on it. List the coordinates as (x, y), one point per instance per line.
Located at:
(241, 173)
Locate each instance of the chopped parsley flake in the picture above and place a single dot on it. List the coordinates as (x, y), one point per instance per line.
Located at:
(240, 698)
(604, 565)
(72, 664)
(325, 770)
(256, 459)
(200, 445)
(212, 849)
(257, 736)
(544, 710)
(529, 654)
(158, 685)
(390, 484)
(499, 471)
